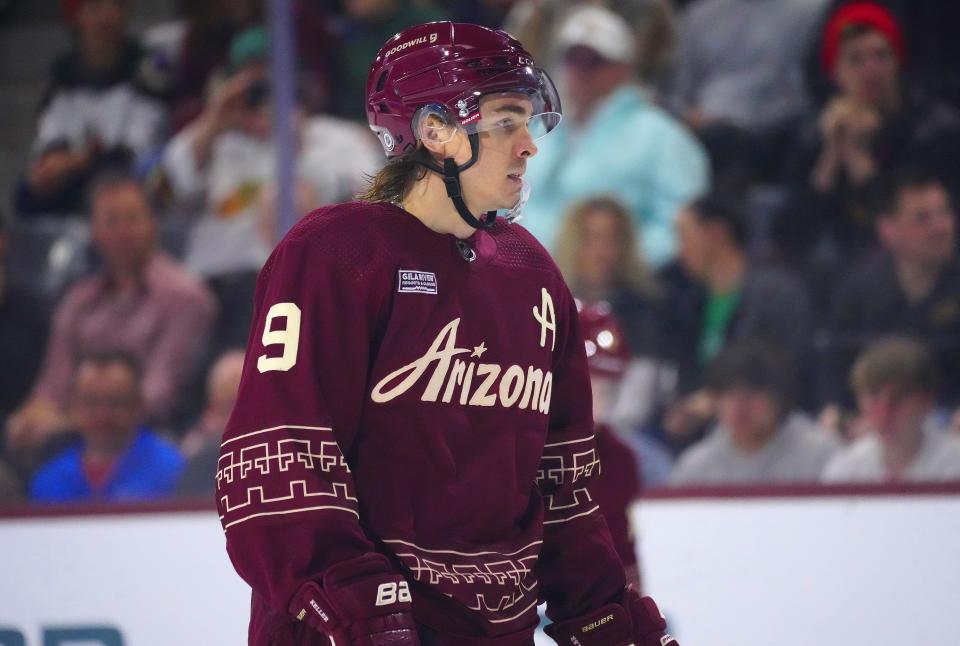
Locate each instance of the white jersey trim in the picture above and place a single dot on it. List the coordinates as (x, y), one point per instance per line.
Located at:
(288, 511)
(582, 439)
(512, 617)
(564, 520)
(423, 549)
(276, 428)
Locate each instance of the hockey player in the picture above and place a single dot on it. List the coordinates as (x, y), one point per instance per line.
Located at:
(618, 484)
(408, 459)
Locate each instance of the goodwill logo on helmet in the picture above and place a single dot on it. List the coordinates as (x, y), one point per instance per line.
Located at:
(410, 43)
(480, 384)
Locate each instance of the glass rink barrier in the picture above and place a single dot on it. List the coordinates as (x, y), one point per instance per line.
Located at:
(832, 566)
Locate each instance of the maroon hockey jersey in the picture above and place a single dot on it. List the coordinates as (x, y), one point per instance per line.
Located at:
(425, 398)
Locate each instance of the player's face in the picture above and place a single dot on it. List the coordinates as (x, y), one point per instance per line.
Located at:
(599, 250)
(923, 230)
(106, 406)
(506, 143)
(867, 69)
(751, 415)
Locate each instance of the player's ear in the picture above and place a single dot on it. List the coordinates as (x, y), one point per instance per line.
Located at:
(436, 129)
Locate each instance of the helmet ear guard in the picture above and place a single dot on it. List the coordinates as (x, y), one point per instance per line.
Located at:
(435, 124)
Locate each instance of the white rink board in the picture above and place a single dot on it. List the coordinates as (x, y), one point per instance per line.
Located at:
(161, 579)
(832, 571)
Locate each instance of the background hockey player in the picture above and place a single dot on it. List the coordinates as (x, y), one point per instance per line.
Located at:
(619, 483)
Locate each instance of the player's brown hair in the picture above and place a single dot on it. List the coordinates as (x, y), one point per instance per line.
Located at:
(902, 363)
(393, 182)
(631, 270)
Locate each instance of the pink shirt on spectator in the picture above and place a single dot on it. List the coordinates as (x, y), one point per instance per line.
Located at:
(164, 325)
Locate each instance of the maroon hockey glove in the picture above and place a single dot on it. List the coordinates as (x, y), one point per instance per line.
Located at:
(635, 622)
(359, 602)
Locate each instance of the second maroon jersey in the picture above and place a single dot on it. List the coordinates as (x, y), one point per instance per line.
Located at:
(422, 397)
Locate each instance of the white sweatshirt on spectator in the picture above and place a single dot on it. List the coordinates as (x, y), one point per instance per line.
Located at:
(333, 158)
(862, 461)
(796, 454)
(117, 116)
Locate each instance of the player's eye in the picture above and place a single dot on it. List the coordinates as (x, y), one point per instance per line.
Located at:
(508, 124)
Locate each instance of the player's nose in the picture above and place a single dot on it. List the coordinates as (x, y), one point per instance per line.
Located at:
(526, 146)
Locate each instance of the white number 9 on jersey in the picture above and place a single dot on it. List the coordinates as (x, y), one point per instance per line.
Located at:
(288, 337)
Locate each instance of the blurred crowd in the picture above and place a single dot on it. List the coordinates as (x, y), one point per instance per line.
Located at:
(753, 201)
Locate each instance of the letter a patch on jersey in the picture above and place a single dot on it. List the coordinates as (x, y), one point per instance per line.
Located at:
(417, 282)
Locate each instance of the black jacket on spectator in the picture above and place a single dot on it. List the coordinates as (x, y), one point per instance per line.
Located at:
(924, 132)
(870, 304)
(773, 307)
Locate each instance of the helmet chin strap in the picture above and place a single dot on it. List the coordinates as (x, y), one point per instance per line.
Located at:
(451, 179)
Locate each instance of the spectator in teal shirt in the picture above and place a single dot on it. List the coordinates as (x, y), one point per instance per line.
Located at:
(115, 459)
(613, 140)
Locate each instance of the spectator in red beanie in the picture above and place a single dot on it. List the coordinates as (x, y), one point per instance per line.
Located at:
(872, 121)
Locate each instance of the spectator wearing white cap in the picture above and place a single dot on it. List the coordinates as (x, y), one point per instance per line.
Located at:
(614, 141)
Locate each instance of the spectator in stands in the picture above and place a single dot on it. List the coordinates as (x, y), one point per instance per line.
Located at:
(597, 252)
(365, 26)
(141, 301)
(718, 298)
(201, 446)
(98, 112)
(758, 438)
(614, 140)
(870, 124)
(895, 381)
(535, 22)
(222, 167)
(739, 79)
(205, 48)
(911, 288)
(224, 164)
(929, 28)
(210, 27)
(117, 458)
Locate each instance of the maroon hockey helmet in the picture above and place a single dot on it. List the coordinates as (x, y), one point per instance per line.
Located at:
(608, 352)
(444, 69)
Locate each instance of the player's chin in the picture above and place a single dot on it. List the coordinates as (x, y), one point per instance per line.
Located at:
(511, 192)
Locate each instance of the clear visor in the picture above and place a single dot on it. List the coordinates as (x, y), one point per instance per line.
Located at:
(506, 124)
(508, 102)
(521, 101)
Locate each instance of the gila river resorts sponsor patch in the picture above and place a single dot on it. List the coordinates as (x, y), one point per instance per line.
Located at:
(417, 282)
